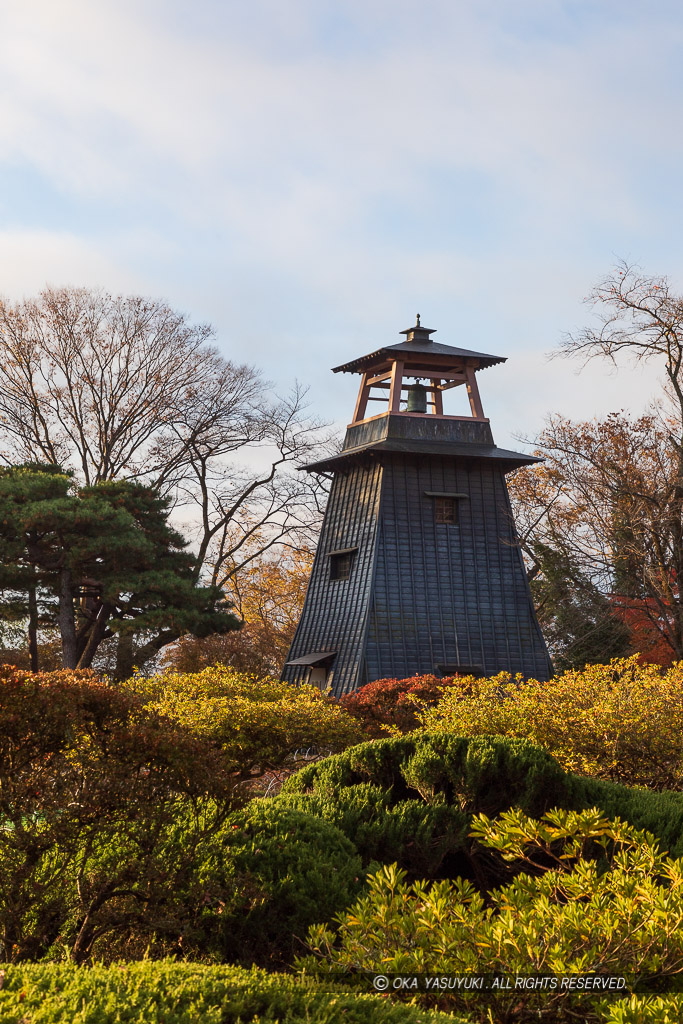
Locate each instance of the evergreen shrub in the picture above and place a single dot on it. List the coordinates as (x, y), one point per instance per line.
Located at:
(422, 790)
(589, 896)
(167, 992)
(410, 799)
(418, 836)
(483, 773)
(270, 874)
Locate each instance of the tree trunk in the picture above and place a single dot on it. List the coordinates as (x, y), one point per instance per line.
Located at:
(124, 656)
(33, 627)
(67, 622)
(95, 636)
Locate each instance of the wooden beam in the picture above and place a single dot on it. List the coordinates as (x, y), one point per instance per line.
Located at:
(382, 376)
(455, 382)
(473, 394)
(426, 369)
(362, 401)
(396, 383)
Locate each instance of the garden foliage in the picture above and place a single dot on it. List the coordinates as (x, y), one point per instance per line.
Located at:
(259, 724)
(622, 721)
(589, 896)
(392, 705)
(167, 992)
(410, 799)
(268, 875)
(91, 786)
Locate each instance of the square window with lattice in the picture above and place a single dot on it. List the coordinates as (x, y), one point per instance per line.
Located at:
(445, 511)
(340, 565)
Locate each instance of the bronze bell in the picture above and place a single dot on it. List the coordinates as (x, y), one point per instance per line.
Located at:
(417, 398)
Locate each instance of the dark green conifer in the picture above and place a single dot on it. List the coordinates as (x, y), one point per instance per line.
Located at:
(105, 561)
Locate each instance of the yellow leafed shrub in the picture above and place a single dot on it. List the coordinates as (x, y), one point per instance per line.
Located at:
(591, 897)
(259, 724)
(621, 721)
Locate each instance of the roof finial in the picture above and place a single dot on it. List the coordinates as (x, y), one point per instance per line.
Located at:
(417, 321)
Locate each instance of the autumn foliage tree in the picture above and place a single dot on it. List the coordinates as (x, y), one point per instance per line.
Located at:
(641, 472)
(606, 506)
(598, 522)
(92, 785)
(267, 593)
(126, 388)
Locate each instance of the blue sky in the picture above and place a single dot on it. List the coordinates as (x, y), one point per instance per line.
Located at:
(308, 175)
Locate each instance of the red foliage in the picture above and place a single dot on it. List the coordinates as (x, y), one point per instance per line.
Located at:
(390, 702)
(69, 725)
(649, 642)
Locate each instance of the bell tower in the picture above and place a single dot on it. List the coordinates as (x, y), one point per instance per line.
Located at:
(418, 569)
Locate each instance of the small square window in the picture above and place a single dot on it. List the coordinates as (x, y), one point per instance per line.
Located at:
(445, 511)
(340, 565)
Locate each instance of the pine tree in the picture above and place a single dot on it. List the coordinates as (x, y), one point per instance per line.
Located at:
(107, 562)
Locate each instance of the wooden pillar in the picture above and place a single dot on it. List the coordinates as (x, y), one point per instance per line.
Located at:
(438, 398)
(395, 389)
(362, 401)
(473, 394)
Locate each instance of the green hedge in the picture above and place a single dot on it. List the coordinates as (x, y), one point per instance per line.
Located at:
(482, 774)
(285, 871)
(410, 799)
(658, 812)
(182, 993)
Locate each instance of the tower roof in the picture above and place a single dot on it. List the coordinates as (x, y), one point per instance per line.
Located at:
(418, 342)
(394, 446)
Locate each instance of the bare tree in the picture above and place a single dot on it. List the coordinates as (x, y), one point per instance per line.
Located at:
(639, 316)
(123, 387)
(610, 494)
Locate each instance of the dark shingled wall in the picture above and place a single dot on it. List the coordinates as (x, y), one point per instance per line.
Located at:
(453, 595)
(420, 594)
(335, 613)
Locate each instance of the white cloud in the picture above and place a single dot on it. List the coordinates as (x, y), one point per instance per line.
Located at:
(305, 174)
(30, 260)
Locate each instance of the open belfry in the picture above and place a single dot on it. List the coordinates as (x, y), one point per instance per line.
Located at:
(418, 569)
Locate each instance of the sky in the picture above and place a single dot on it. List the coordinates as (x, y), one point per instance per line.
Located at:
(308, 175)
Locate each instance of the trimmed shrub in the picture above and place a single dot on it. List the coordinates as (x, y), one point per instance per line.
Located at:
(410, 799)
(248, 894)
(171, 993)
(483, 773)
(658, 813)
(419, 837)
(270, 874)
(258, 724)
(622, 722)
(392, 705)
